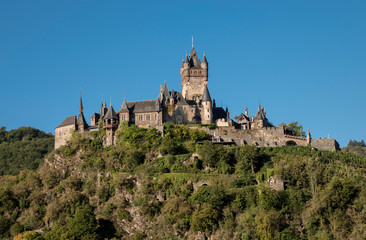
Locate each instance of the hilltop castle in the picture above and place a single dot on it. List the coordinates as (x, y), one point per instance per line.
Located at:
(193, 105)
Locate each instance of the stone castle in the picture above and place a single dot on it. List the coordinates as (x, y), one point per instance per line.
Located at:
(193, 105)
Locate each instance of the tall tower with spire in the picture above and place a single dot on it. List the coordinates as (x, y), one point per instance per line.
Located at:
(194, 76)
(81, 123)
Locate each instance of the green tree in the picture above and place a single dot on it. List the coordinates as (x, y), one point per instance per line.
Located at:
(247, 158)
(294, 128)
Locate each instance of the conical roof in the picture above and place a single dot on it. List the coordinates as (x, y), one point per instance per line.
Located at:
(166, 91)
(206, 95)
(186, 59)
(204, 60)
(111, 114)
(124, 107)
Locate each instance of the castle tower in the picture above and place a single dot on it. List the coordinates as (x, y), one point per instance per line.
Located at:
(81, 123)
(207, 107)
(194, 76)
(110, 124)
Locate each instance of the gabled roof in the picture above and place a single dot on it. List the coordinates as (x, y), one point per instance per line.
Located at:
(124, 107)
(95, 115)
(111, 114)
(180, 99)
(81, 119)
(71, 120)
(206, 95)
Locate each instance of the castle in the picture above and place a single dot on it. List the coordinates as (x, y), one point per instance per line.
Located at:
(193, 105)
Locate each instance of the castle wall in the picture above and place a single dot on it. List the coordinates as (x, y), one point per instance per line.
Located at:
(325, 144)
(62, 134)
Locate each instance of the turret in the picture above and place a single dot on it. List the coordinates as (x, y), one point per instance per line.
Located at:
(207, 107)
(204, 63)
(110, 124)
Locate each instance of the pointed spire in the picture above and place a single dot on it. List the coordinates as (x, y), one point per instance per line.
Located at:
(81, 104)
(206, 95)
(124, 107)
(166, 91)
(204, 60)
(186, 59)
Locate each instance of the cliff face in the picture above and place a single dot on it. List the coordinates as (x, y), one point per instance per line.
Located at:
(170, 187)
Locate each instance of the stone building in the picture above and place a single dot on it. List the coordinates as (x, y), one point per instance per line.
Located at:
(193, 105)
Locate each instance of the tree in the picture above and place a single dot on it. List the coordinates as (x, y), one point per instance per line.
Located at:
(247, 157)
(294, 128)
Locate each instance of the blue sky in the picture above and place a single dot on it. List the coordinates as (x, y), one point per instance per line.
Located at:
(303, 61)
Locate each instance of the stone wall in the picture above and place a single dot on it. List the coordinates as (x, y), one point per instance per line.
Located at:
(62, 134)
(142, 119)
(268, 137)
(325, 144)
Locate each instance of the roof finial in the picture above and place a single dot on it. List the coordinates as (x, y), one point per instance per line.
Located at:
(192, 41)
(110, 101)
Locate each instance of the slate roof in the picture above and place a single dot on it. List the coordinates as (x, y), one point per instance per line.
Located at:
(261, 114)
(81, 119)
(218, 112)
(71, 120)
(144, 106)
(206, 95)
(180, 99)
(194, 61)
(124, 107)
(95, 115)
(166, 93)
(204, 60)
(111, 114)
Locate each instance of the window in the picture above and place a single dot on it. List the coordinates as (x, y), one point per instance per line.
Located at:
(123, 117)
(156, 116)
(141, 117)
(147, 117)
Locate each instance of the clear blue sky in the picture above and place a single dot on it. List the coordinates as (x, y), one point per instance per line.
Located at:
(302, 60)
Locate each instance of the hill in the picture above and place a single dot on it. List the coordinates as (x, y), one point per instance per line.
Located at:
(23, 148)
(179, 186)
(358, 148)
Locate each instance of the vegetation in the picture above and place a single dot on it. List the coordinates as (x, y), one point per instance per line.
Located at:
(356, 147)
(294, 128)
(23, 148)
(150, 186)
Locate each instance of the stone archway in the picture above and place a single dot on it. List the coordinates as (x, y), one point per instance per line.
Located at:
(291, 143)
